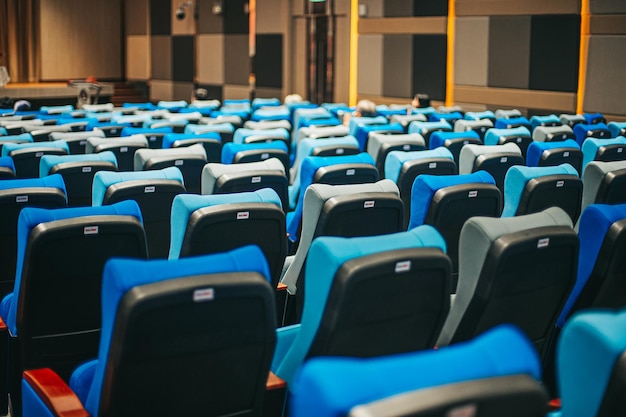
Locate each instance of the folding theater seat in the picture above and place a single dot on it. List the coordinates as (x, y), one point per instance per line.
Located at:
(190, 160)
(542, 154)
(446, 202)
(585, 131)
(496, 160)
(303, 117)
(243, 135)
(388, 112)
(48, 192)
(13, 128)
(110, 130)
(572, 120)
(450, 118)
(379, 145)
(363, 131)
(338, 146)
(479, 126)
(495, 374)
(211, 141)
(605, 150)
(232, 119)
(266, 124)
(123, 149)
(76, 141)
(337, 109)
(154, 136)
(507, 113)
(271, 113)
(604, 183)
(360, 121)
(454, 141)
(366, 297)
(517, 270)
(171, 105)
(21, 138)
(405, 119)
(260, 102)
(617, 129)
(238, 153)
(177, 126)
(601, 265)
(594, 118)
(77, 172)
(532, 189)
(26, 156)
(518, 135)
(591, 363)
(480, 115)
(403, 167)
(426, 129)
(553, 133)
(7, 168)
(225, 129)
(547, 120)
(512, 123)
(340, 210)
(251, 176)
(154, 191)
(214, 372)
(319, 132)
(42, 133)
(53, 313)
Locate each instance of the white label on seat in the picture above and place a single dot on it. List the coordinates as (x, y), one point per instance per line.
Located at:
(519, 140)
(560, 184)
(243, 215)
(38, 154)
(465, 142)
(179, 162)
(432, 165)
(113, 131)
(265, 155)
(369, 204)
(152, 138)
(406, 147)
(503, 159)
(86, 169)
(256, 180)
(149, 189)
(124, 149)
(564, 136)
(340, 151)
(83, 142)
(566, 154)
(403, 266)
(350, 172)
(543, 243)
(473, 194)
(21, 199)
(206, 294)
(468, 410)
(620, 150)
(90, 230)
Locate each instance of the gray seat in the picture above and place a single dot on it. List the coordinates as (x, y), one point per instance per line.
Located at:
(379, 145)
(123, 147)
(495, 159)
(604, 183)
(553, 133)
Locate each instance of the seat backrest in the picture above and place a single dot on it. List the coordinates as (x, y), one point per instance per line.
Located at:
(211, 141)
(190, 160)
(591, 363)
(379, 145)
(512, 122)
(545, 120)
(371, 296)
(496, 160)
(605, 150)
(553, 133)
(406, 119)
(517, 135)
(507, 113)
(584, 131)
(222, 222)
(77, 172)
(238, 153)
(454, 141)
(26, 156)
(7, 168)
(479, 126)
(194, 295)
(363, 132)
(542, 154)
(76, 141)
(480, 115)
(50, 290)
(427, 128)
(604, 183)
(243, 135)
(571, 120)
(338, 146)
(532, 189)
(601, 266)
(333, 386)
(124, 149)
(154, 191)
(617, 129)
(225, 130)
(48, 192)
(21, 138)
(498, 282)
(154, 136)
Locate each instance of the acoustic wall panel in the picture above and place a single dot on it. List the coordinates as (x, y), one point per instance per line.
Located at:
(607, 6)
(398, 8)
(606, 83)
(236, 59)
(429, 65)
(160, 17)
(210, 59)
(509, 51)
(269, 60)
(138, 57)
(397, 65)
(370, 65)
(429, 7)
(235, 16)
(161, 57)
(183, 58)
(208, 23)
(136, 17)
(471, 51)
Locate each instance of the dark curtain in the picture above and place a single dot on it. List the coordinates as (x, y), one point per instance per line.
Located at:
(19, 39)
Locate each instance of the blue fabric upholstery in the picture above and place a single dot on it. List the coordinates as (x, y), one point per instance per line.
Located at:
(535, 150)
(395, 160)
(259, 102)
(425, 187)
(332, 386)
(548, 120)
(230, 149)
(242, 133)
(356, 121)
(362, 131)
(326, 255)
(120, 275)
(50, 181)
(243, 113)
(47, 162)
(7, 162)
(438, 139)
(218, 127)
(22, 137)
(512, 122)
(387, 112)
(424, 127)
(305, 176)
(129, 131)
(184, 205)
(307, 146)
(516, 178)
(300, 114)
(56, 109)
(617, 129)
(487, 114)
(271, 113)
(593, 118)
(171, 105)
(170, 138)
(492, 137)
(243, 102)
(3, 132)
(447, 117)
(591, 146)
(7, 148)
(589, 346)
(583, 131)
(337, 108)
(29, 218)
(423, 110)
(592, 227)
(104, 179)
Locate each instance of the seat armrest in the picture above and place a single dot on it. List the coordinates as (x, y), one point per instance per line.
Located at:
(275, 396)
(274, 382)
(54, 393)
(284, 339)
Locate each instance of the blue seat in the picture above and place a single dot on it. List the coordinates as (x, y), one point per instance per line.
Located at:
(171, 105)
(21, 138)
(584, 131)
(480, 115)
(547, 120)
(7, 168)
(53, 313)
(211, 141)
(27, 156)
(617, 129)
(426, 129)
(454, 141)
(604, 183)
(361, 296)
(605, 150)
(334, 386)
(479, 126)
(271, 113)
(594, 118)
(337, 146)
(518, 135)
(359, 121)
(214, 370)
(541, 154)
(154, 136)
(532, 189)
(363, 131)
(513, 122)
(154, 191)
(259, 102)
(591, 363)
(451, 118)
(300, 114)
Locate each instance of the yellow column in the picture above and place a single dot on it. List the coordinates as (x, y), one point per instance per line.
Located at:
(450, 54)
(354, 51)
(583, 55)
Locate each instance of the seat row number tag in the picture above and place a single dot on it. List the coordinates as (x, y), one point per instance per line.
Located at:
(256, 180)
(86, 169)
(503, 159)
(21, 199)
(403, 266)
(543, 243)
(205, 294)
(560, 184)
(90, 230)
(149, 189)
(432, 165)
(473, 194)
(369, 204)
(566, 154)
(124, 149)
(243, 215)
(179, 162)
(350, 172)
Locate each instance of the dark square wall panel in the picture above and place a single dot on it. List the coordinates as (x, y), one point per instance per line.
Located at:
(236, 20)
(429, 66)
(269, 61)
(183, 58)
(430, 7)
(509, 50)
(160, 17)
(554, 50)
